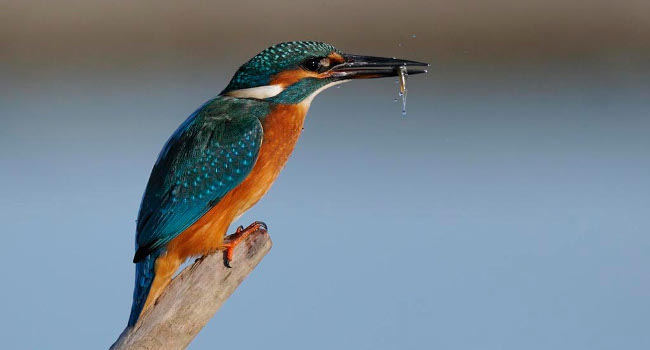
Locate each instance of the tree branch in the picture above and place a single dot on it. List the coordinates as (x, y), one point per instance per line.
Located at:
(192, 298)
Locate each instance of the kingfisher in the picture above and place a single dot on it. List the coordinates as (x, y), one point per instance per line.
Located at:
(228, 153)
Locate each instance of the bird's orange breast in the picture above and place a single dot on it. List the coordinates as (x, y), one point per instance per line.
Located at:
(282, 128)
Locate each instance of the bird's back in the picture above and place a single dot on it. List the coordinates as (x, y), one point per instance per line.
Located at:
(209, 154)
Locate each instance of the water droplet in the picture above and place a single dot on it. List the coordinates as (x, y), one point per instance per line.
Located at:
(412, 35)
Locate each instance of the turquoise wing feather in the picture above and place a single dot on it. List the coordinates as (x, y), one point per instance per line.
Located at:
(210, 154)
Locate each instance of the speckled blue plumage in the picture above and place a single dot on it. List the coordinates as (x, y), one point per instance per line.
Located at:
(208, 155)
(277, 58)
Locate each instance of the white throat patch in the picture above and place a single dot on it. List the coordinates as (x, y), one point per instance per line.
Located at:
(266, 91)
(259, 92)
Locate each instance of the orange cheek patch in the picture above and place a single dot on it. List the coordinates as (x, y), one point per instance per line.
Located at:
(335, 58)
(291, 77)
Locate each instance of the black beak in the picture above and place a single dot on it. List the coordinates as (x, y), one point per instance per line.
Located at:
(359, 67)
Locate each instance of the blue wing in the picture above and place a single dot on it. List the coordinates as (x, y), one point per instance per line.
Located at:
(210, 154)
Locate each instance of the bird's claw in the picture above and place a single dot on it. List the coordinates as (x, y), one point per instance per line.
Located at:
(240, 234)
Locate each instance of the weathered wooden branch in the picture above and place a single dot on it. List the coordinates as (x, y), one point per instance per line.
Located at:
(192, 298)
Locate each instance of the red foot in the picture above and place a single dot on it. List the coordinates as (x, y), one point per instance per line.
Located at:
(240, 234)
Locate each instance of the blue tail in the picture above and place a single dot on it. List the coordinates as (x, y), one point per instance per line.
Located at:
(144, 275)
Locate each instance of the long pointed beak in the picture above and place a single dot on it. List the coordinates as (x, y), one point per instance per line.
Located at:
(359, 67)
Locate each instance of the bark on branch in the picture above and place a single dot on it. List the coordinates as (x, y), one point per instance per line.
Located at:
(192, 298)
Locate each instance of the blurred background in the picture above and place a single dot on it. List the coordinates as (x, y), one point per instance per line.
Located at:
(509, 209)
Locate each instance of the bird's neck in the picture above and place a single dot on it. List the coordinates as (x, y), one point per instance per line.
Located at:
(284, 123)
(303, 92)
(282, 129)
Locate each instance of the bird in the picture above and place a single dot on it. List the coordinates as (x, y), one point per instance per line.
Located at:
(226, 155)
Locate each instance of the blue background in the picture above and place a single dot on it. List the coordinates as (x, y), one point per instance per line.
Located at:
(509, 209)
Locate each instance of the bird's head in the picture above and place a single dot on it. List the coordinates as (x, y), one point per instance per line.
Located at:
(296, 71)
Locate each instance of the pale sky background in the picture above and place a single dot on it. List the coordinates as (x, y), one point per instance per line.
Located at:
(508, 210)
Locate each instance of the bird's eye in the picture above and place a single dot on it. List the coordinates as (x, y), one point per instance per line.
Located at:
(318, 64)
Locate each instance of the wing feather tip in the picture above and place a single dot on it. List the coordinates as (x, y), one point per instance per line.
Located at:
(140, 254)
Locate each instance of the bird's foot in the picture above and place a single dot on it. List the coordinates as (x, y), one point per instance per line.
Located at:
(239, 236)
